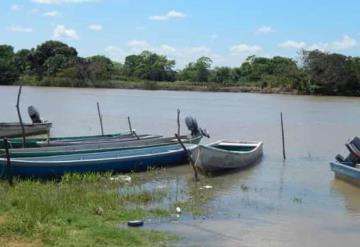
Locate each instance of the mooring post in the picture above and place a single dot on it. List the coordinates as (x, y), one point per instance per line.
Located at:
(100, 118)
(283, 137)
(130, 128)
(178, 121)
(8, 161)
(19, 115)
(191, 161)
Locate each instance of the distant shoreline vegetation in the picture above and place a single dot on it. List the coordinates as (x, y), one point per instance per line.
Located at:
(54, 63)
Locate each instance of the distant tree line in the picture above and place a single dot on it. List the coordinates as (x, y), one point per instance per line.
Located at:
(54, 63)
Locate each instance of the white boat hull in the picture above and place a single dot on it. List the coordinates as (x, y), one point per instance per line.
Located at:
(211, 159)
(15, 130)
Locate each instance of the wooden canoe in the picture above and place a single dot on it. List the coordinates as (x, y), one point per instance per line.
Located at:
(346, 172)
(224, 155)
(114, 161)
(15, 130)
(96, 147)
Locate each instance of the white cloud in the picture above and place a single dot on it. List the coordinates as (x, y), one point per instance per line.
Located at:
(264, 30)
(168, 48)
(345, 43)
(293, 44)
(139, 45)
(170, 15)
(95, 27)
(52, 13)
(115, 53)
(244, 48)
(17, 29)
(61, 32)
(62, 1)
(15, 7)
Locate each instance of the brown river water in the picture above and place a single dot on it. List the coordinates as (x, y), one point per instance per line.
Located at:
(296, 202)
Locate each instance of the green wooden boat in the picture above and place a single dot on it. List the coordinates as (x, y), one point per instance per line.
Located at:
(97, 147)
(33, 142)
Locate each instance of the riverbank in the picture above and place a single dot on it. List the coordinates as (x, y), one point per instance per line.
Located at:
(80, 210)
(162, 85)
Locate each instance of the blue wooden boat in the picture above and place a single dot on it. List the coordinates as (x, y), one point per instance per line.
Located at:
(348, 168)
(346, 172)
(114, 161)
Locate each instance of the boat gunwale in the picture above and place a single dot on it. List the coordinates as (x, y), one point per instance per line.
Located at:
(53, 152)
(22, 162)
(333, 163)
(211, 147)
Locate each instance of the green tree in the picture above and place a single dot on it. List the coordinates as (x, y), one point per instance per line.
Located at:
(198, 71)
(42, 59)
(331, 73)
(8, 72)
(149, 66)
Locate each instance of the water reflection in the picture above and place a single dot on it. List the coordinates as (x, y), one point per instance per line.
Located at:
(350, 195)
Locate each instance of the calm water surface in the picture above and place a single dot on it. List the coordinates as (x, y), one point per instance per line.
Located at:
(293, 203)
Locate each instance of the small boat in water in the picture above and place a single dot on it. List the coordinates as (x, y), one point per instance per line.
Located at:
(348, 169)
(37, 127)
(113, 161)
(97, 147)
(225, 155)
(15, 130)
(346, 172)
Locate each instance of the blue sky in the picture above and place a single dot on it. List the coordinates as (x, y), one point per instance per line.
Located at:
(227, 31)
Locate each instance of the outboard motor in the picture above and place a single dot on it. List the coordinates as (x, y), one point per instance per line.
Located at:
(34, 114)
(193, 126)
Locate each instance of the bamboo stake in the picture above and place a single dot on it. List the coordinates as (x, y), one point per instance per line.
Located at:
(191, 161)
(283, 137)
(8, 162)
(178, 121)
(130, 127)
(19, 115)
(100, 118)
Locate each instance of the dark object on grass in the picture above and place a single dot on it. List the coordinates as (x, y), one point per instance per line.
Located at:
(135, 223)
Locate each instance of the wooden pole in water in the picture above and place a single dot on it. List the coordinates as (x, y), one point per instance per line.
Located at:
(283, 137)
(130, 127)
(133, 132)
(100, 118)
(8, 161)
(178, 121)
(191, 161)
(19, 115)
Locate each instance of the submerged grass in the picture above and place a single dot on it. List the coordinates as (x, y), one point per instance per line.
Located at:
(79, 210)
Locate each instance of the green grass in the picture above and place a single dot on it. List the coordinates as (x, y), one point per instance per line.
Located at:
(79, 210)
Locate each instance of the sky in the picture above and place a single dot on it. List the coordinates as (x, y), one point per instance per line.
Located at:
(227, 31)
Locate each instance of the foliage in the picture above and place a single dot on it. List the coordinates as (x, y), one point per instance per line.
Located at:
(54, 63)
(332, 74)
(198, 71)
(149, 66)
(8, 72)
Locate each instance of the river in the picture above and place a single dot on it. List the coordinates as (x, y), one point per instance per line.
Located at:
(296, 202)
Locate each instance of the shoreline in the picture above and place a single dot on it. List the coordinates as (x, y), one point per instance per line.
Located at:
(174, 86)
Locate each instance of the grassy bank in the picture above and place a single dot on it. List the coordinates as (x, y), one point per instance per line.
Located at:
(154, 85)
(79, 210)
